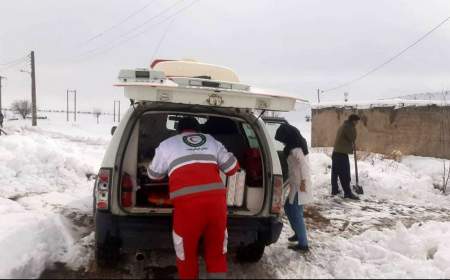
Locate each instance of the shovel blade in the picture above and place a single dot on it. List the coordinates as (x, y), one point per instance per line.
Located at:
(358, 189)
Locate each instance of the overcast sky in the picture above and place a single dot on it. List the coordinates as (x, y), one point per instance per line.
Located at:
(296, 46)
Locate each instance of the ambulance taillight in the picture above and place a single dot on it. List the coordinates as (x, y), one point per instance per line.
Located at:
(126, 196)
(277, 194)
(102, 188)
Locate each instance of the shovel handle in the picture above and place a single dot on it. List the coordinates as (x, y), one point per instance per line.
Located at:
(356, 164)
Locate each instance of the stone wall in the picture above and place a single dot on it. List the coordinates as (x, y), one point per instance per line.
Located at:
(421, 131)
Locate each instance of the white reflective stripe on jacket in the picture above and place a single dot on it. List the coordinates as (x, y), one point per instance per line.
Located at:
(174, 153)
(299, 169)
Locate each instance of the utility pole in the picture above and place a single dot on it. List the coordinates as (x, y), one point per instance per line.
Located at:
(67, 105)
(1, 78)
(75, 106)
(318, 95)
(74, 91)
(118, 117)
(33, 91)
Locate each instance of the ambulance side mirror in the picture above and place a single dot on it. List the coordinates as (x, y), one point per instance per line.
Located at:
(113, 129)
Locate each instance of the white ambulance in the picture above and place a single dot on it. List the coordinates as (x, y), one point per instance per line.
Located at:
(133, 213)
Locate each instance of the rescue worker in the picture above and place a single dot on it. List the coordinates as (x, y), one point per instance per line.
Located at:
(340, 166)
(193, 160)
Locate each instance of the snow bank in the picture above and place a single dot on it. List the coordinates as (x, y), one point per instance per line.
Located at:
(412, 180)
(34, 164)
(422, 251)
(397, 103)
(45, 173)
(32, 241)
(29, 241)
(38, 161)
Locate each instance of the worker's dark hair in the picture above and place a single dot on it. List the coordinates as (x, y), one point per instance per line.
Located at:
(188, 123)
(353, 117)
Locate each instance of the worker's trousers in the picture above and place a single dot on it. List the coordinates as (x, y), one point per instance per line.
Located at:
(340, 168)
(194, 218)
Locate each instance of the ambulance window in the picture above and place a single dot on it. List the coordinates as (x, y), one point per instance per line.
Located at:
(272, 128)
(251, 136)
(172, 121)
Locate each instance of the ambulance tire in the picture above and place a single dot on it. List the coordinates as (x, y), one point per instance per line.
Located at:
(251, 253)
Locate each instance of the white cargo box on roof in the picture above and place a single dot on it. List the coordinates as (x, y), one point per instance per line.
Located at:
(185, 68)
(156, 86)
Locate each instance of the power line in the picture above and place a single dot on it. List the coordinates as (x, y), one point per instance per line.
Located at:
(100, 34)
(390, 59)
(131, 30)
(151, 19)
(17, 62)
(161, 40)
(99, 51)
(11, 66)
(13, 61)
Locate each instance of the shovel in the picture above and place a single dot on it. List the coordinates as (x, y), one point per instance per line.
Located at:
(357, 188)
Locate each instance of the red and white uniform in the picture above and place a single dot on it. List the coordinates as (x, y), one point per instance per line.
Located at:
(192, 161)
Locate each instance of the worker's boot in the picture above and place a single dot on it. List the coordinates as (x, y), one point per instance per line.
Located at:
(293, 238)
(351, 196)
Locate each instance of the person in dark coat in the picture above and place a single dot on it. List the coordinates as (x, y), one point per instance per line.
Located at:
(343, 146)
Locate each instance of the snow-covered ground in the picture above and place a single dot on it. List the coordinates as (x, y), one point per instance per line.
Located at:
(400, 229)
(46, 193)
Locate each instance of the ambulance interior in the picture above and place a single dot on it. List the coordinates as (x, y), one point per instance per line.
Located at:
(245, 192)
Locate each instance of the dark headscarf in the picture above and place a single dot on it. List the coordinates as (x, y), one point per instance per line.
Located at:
(291, 137)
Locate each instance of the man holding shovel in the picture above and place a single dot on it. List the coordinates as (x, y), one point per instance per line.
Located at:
(343, 146)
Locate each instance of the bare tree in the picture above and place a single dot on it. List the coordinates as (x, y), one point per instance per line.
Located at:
(97, 112)
(444, 139)
(21, 107)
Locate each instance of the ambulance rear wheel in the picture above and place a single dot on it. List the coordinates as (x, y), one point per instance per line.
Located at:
(251, 253)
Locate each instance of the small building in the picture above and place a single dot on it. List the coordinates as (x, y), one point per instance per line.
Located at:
(413, 127)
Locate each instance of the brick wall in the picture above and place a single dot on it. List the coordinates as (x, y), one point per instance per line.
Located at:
(421, 131)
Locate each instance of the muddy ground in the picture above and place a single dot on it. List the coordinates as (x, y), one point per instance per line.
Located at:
(327, 218)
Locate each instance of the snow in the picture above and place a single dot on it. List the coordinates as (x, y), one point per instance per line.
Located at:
(47, 158)
(29, 242)
(421, 251)
(396, 103)
(428, 96)
(411, 180)
(46, 187)
(400, 229)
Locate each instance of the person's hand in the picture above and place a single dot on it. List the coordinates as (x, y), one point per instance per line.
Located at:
(303, 187)
(286, 185)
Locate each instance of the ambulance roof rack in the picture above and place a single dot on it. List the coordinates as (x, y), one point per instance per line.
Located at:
(197, 85)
